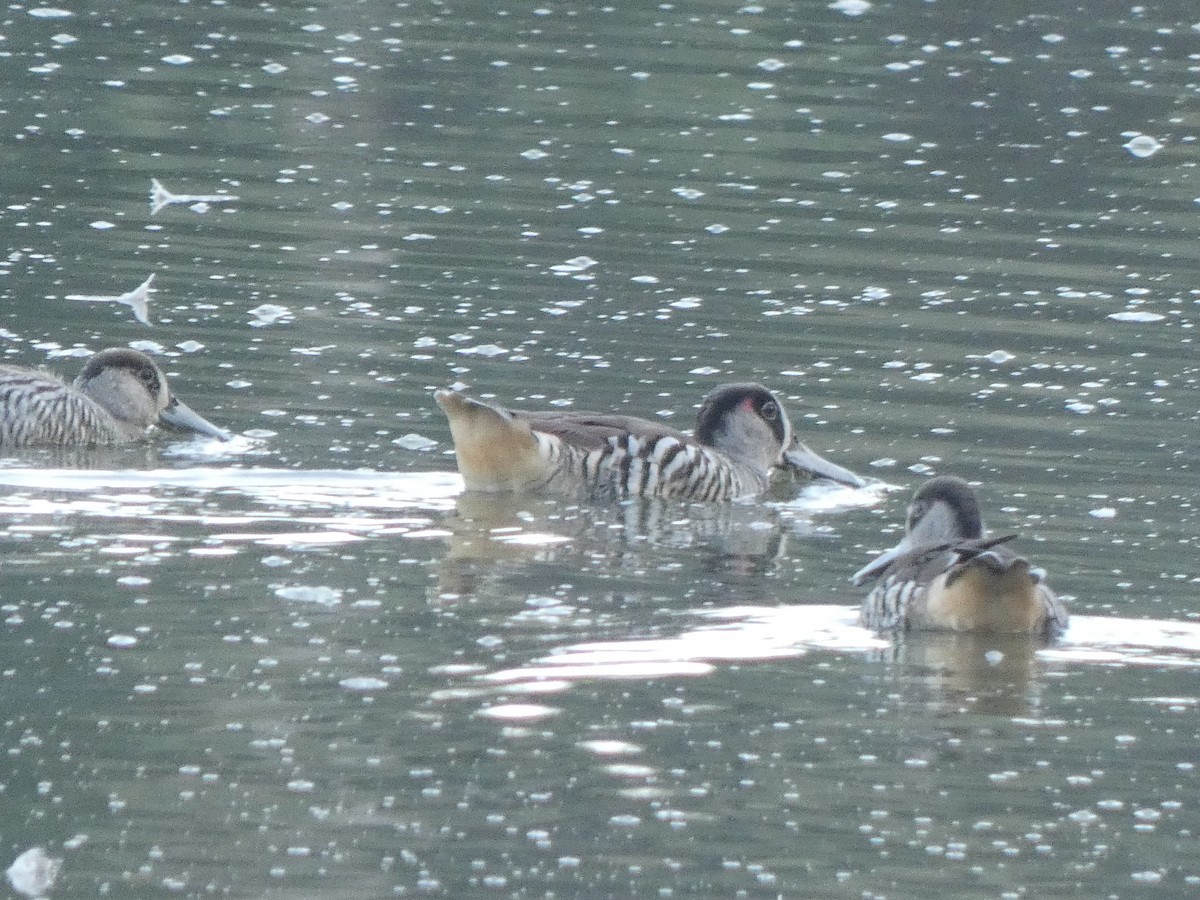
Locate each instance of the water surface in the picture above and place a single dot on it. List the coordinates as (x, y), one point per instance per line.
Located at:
(955, 239)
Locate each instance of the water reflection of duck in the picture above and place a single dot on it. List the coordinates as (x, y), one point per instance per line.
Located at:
(496, 541)
(946, 576)
(119, 394)
(742, 434)
(984, 672)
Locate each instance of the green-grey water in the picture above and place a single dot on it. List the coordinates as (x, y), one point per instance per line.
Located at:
(956, 238)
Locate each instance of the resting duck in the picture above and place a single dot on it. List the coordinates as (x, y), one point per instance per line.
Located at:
(946, 576)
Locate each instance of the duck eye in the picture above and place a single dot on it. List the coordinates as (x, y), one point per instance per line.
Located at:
(770, 411)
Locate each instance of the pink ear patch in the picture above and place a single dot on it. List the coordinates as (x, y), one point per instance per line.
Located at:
(747, 404)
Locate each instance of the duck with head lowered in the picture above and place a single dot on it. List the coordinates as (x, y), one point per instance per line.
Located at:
(742, 434)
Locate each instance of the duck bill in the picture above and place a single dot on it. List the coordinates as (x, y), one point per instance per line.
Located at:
(181, 417)
(802, 459)
(880, 563)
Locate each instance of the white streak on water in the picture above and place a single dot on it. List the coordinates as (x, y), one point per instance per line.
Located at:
(518, 712)
(318, 507)
(137, 299)
(738, 634)
(362, 684)
(1136, 315)
(748, 633)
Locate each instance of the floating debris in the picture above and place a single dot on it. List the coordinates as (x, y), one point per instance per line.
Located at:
(573, 265)
(34, 872)
(1143, 146)
(874, 293)
(488, 350)
(850, 7)
(160, 197)
(270, 314)
(135, 299)
(415, 442)
(322, 596)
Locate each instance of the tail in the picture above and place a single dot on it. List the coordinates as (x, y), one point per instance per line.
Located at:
(496, 451)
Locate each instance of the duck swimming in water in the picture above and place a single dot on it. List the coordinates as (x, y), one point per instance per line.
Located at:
(119, 394)
(946, 576)
(742, 434)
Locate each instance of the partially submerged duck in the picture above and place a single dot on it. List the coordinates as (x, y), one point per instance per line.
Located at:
(119, 394)
(742, 434)
(946, 576)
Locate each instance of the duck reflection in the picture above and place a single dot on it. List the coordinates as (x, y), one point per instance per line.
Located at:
(492, 537)
(988, 674)
(98, 458)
